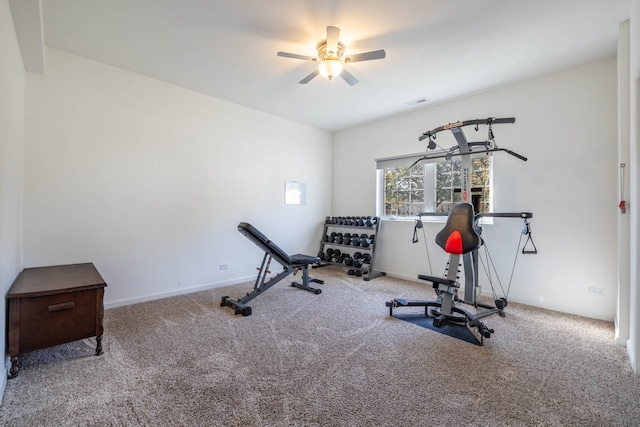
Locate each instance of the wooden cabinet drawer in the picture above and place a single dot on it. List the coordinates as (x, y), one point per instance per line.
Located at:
(56, 319)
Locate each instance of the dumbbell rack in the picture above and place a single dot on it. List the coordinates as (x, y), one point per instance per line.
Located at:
(343, 225)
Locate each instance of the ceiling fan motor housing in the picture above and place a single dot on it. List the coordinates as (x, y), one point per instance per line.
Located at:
(323, 55)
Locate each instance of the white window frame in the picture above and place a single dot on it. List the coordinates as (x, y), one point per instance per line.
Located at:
(429, 177)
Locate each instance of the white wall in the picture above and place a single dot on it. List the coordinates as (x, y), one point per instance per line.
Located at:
(566, 125)
(623, 305)
(633, 345)
(149, 180)
(12, 83)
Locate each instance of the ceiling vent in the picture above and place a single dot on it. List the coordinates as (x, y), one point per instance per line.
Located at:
(416, 101)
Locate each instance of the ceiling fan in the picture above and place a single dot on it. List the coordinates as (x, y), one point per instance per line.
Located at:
(330, 58)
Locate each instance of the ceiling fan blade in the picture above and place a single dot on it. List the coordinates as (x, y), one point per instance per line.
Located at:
(296, 56)
(333, 34)
(309, 77)
(349, 78)
(366, 56)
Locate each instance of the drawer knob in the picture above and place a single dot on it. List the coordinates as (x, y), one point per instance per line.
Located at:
(63, 306)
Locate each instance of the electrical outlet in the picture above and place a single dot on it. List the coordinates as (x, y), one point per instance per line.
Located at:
(224, 266)
(596, 291)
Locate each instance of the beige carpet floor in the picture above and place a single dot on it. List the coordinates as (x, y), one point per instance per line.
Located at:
(334, 359)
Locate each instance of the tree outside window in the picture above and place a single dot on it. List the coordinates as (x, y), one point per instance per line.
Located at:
(435, 187)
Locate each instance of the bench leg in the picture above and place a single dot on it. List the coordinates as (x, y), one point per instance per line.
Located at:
(305, 282)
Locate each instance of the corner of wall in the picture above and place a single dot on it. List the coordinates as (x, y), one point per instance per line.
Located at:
(3, 376)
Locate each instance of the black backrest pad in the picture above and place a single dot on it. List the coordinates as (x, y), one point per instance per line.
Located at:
(252, 233)
(264, 243)
(460, 219)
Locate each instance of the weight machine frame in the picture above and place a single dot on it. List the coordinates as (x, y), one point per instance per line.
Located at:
(470, 263)
(464, 150)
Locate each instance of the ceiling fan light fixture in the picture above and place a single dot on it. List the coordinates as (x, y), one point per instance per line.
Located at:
(330, 61)
(330, 68)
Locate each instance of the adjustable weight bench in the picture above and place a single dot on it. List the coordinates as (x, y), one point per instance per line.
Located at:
(290, 263)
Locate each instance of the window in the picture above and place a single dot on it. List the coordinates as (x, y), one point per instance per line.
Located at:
(430, 187)
(404, 191)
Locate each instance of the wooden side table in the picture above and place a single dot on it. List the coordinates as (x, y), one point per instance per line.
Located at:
(54, 305)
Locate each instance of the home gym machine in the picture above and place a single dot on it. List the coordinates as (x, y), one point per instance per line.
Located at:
(461, 238)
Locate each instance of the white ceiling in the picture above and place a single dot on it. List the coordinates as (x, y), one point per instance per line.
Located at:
(435, 49)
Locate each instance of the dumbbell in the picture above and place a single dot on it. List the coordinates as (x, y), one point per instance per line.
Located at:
(336, 254)
(348, 261)
(328, 256)
(366, 258)
(369, 239)
(358, 259)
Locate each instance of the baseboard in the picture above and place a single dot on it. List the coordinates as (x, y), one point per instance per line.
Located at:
(621, 341)
(176, 292)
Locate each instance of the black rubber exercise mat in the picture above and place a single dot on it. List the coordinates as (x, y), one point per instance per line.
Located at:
(456, 331)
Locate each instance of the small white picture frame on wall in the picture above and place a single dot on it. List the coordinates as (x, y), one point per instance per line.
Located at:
(295, 193)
